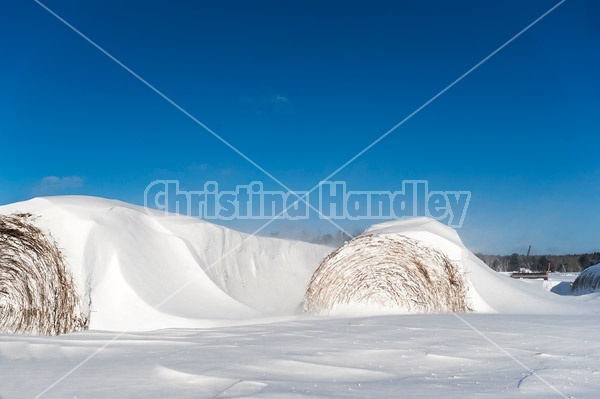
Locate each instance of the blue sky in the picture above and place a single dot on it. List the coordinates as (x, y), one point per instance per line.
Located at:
(301, 87)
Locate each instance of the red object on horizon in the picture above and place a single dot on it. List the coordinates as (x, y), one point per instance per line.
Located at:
(548, 272)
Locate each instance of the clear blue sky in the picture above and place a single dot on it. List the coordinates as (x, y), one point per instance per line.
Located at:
(301, 87)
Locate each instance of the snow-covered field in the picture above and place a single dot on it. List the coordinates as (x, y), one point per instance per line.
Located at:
(429, 356)
(171, 316)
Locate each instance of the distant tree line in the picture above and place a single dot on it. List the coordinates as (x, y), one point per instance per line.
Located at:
(558, 263)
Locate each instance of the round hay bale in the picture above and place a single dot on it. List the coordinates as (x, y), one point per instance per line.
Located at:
(37, 293)
(587, 282)
(388, 272)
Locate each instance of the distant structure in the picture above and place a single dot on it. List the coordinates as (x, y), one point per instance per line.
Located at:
(588, 281)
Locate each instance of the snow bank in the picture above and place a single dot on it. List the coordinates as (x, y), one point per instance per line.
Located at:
(487, 290)
(387, 273)
(135, 271)
(141, 272)
(588, 281)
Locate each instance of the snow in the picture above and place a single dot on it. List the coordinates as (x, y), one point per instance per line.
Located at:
(187, 323)
(429, 356)
(489, 291)
(198, 274)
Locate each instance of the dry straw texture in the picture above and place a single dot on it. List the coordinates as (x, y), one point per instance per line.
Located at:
(390, 272)
(37, 293)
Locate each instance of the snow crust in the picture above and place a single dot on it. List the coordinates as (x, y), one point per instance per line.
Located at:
(423, 356)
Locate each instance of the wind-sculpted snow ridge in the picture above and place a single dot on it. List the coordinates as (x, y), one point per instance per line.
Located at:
(136, 270)
(588, 281)
(37, 292)
(387, 272)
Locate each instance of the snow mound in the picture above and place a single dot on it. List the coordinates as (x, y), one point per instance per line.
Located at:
(487, 290)
(133, 270)
(138, 271)
(387, 273)
(588, 281)
(37, 293)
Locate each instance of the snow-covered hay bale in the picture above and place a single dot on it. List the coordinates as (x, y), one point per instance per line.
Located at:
(387, 272)
(37, 293)
(588, 281)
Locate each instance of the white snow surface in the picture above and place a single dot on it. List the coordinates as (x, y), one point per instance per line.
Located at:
(234, 329)
(410, 356)
(140, 271)
(489, 291)
(198, 274)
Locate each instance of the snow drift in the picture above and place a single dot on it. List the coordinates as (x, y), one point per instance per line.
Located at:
(387, 272)
(37, 292)
(134, 271)
(588, 281)
(486, 290)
